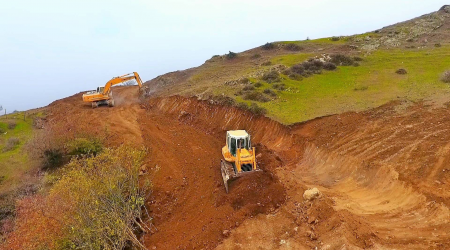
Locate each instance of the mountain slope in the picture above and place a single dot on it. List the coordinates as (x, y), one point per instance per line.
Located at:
(420, 46)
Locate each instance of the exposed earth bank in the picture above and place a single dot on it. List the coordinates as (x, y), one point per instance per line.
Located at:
(383, 174)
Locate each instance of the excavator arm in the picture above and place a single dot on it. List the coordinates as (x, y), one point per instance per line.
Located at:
(121, 79)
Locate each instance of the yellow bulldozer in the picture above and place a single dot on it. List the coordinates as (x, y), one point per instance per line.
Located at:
(239, 156)
(103, 95)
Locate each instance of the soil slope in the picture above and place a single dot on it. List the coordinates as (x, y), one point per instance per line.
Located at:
(383, 174)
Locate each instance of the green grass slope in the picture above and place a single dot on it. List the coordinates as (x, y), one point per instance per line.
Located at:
(14, 160)
(421, 46)
(371, 84)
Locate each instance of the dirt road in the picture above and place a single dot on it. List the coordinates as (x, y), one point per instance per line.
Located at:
(384, 174)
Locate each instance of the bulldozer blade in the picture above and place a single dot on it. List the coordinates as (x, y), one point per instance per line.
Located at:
(224, 169)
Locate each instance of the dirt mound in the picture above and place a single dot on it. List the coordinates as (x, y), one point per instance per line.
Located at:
(319, 219)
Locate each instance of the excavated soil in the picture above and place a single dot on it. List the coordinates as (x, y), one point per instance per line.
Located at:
(384, 174)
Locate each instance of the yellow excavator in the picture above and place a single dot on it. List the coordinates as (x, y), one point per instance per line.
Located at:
(239, 156)
(103, 95)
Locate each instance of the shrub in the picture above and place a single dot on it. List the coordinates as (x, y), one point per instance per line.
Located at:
(292, 47)
(357, 59)
(401, 71)
(295, 77)
(355, 64)
(340, 59)
(312, 66)
(268, 46)
(257, 84)
(248, 88)
(231, 55)
(317, 63)
(329, 66)
(271, 76)
(308, 65)
(286, 72)
(12, 125)
(2, 130)
(437, 45)
(244, 80)
(84, 146)
(255, 56)
(335, 39)
(279, 86)
(270, 92)
(110, 198)
(446, 76)
(222, 100)
(53, 158)
(96, 204)
(298, 69)
(256, 96)
(11, 143)
(266, 63)
(257, 110)
(242, 105)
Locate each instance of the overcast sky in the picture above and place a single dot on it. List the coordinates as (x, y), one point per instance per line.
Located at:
(53, 49)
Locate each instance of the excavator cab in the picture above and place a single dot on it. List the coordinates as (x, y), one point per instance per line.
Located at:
(239, 156)
(100, 89)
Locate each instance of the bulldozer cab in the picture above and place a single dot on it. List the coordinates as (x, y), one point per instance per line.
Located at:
(238, 139)
(100, 89)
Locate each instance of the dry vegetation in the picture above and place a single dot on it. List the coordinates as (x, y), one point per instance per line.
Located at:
(11, 143)
(94, 204)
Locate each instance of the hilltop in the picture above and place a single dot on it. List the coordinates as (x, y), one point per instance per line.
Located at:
(420, 46)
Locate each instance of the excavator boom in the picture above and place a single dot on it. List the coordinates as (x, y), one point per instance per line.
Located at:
(121, 79)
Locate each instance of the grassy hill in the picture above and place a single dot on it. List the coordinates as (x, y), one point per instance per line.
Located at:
(14, 162)
(420, 46)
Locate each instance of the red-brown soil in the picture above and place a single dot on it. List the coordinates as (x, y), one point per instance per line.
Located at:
(384, 174)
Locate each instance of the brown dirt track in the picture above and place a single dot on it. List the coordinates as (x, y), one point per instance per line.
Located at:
(384, 174)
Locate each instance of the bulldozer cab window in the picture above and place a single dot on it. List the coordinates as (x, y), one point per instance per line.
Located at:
(233, 146)
(241, 143)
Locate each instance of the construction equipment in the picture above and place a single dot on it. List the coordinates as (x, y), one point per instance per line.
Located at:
(239, 156)
(103, 95)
